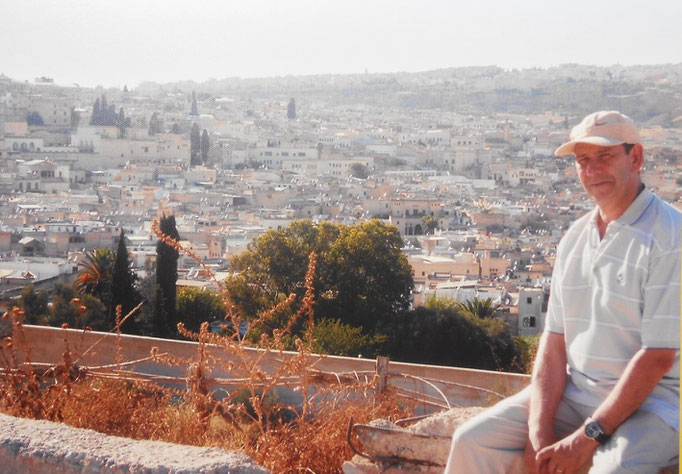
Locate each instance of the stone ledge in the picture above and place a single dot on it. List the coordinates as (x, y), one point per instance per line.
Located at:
(37, 446)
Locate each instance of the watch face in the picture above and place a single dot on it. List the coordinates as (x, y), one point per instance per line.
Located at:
(593, 430)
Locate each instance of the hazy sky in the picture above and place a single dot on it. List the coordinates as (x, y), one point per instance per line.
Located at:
(119, 42)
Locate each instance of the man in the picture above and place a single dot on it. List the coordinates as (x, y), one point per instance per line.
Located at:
(605, 385)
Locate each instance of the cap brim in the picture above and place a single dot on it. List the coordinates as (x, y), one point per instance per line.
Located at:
(569, 148)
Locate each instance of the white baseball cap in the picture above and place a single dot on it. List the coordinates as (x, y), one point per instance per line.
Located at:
(605, 128)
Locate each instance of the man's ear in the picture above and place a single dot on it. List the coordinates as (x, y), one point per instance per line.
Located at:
(637, 157)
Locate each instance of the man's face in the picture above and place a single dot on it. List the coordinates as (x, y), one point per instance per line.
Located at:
(609, 175)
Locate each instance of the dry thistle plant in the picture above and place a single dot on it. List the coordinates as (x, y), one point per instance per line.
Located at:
(244, 413)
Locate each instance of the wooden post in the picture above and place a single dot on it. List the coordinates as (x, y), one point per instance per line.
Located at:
(381, 371)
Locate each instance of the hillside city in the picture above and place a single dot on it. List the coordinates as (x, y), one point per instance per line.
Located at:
(460, 161)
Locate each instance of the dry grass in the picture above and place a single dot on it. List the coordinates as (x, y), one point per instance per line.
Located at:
(309, 436)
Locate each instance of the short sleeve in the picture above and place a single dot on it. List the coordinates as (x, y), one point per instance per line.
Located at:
(554, 321)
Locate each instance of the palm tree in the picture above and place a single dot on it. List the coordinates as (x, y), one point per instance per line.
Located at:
(477, 308)
(95, 276)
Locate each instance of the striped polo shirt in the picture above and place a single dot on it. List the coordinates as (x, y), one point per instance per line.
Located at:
(610, 298)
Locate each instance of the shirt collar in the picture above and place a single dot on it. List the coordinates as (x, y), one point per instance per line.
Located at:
(632, 213)
(637, 208)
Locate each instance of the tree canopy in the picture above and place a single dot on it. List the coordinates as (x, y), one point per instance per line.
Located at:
(196, 306)
(79, 312)
(34, 304)
(362, 279)
(95, 275)
(441, 335)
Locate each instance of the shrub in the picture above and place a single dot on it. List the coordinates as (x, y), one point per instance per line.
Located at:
(331, 336)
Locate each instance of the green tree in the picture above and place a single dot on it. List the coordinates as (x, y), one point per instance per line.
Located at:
(79, 313)
(358, 170)
(248, 297)
(196, 306)
(442, 336)
(95, 275)
(166, 278)
(291, 109)
(369, 277)
(503, 348)
(205, 146)
(331, 336)
(527, 347)
(363, 279)
(148, 290)
(121, 123)
(34, 304)
(155, 124)
(478, 308)
(123, 290)
(195, 145)
(429, 223)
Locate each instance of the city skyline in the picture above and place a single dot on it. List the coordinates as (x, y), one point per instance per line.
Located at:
(120, 43)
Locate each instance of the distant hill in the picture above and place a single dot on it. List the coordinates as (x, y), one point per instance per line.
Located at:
(644, 91)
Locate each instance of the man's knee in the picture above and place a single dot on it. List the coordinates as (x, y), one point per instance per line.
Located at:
(469, 433)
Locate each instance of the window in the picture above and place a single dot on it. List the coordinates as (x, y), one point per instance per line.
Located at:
(529, 300)
(529, 321)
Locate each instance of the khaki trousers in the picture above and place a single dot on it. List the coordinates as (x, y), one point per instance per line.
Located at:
(493, 442)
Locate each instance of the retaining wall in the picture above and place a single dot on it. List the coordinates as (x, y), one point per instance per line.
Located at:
(46, 344)
(38, 447)
(30, 446)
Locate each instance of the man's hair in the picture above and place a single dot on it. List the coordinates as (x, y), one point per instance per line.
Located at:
(628, 147)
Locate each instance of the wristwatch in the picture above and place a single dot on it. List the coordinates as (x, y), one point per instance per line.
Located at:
(594, 430)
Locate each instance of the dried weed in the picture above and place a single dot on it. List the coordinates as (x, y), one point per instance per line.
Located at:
(248, 416)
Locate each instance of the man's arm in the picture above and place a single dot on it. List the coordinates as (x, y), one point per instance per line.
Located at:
(547, 387)
(641, 375)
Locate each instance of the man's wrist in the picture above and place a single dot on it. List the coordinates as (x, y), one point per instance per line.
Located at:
(595, 431)
(541, 438)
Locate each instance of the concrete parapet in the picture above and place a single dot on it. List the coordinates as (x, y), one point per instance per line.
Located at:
(36, 446)
(463, 387)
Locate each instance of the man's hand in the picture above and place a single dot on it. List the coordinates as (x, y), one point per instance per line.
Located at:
(532, 449)
(566, 455)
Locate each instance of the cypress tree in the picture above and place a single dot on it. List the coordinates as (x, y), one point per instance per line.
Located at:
(195, 145)
(123, 290)
(205, 145)
(94, 120)
(121, 123)
(291, 109)
(166, 278)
